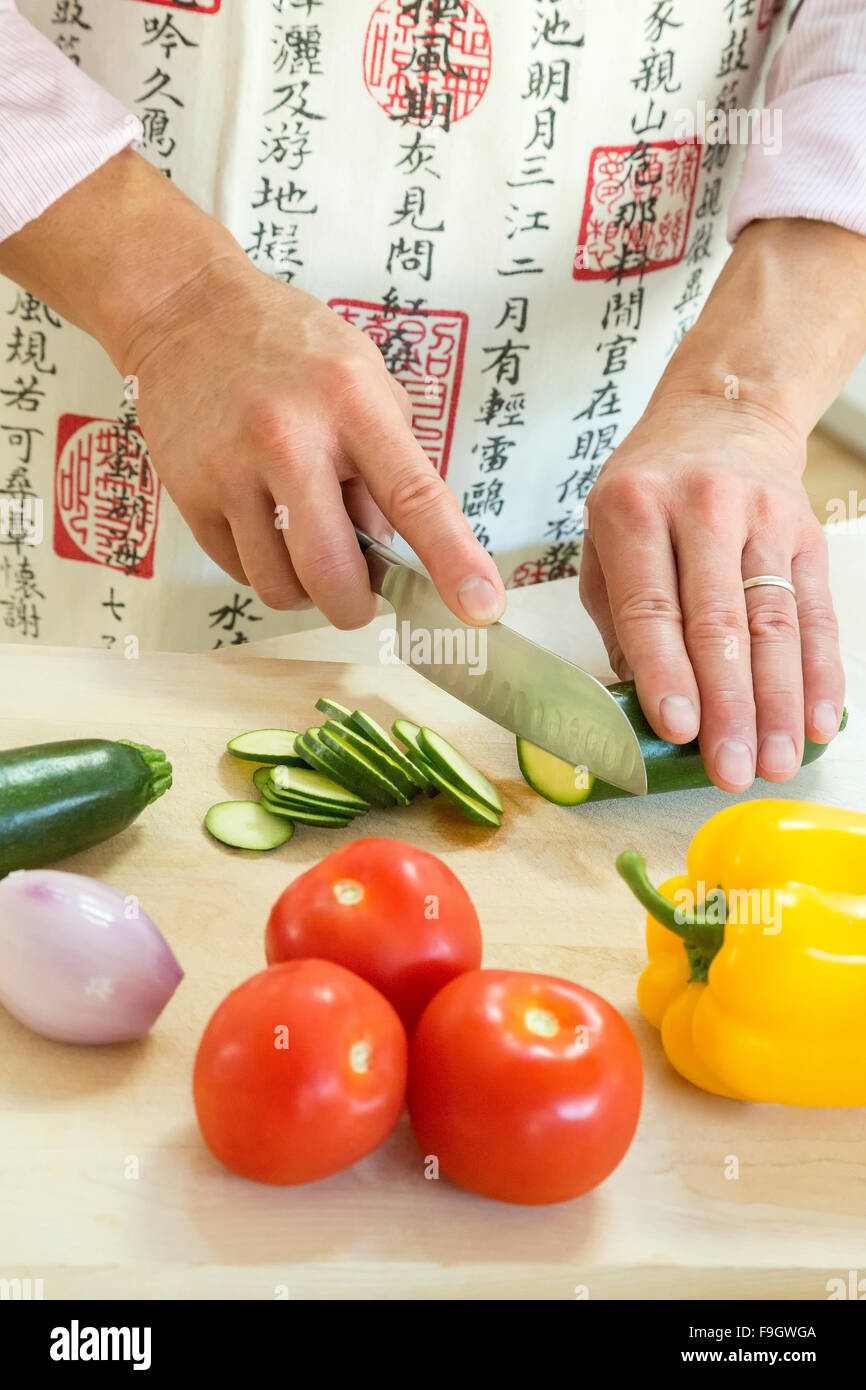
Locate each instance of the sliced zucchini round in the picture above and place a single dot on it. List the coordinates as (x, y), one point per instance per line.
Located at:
(308, 782)
(553, 777)
(332, 764)
(266, 746)
(305, 815)
(408, 733)
(442, 755)
(380, 760)
(472, 808)
(290, 801)
(333, 710)
(367, 727)
(261, 777)
(354, 761)
(247, 825)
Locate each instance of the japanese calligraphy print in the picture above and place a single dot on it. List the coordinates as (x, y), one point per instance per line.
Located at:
(637, 210)
(490, 190)
(428, 61)
(106, 495)
(424, 350)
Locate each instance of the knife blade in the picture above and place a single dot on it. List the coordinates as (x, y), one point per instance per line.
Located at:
(505, 676)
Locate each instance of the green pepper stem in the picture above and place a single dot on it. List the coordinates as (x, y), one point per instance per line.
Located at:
(707, 937)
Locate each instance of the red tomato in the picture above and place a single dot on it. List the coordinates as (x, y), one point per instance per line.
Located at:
(300, 1072)
(525, 1087)
(390, 912)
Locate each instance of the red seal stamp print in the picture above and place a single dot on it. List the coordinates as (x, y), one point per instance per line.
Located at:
(424, 350)
(427, 62)
(106, 495)
(555, 563)
(194, 6)
(637, 209)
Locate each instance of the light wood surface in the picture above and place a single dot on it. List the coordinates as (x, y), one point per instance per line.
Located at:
(667, 1224)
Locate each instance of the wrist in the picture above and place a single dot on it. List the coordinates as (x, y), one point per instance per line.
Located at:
(167, 245)
(131, 242)
(782, 328)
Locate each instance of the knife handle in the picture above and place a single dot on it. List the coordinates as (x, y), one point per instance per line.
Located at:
(381, 560)
(364, 540)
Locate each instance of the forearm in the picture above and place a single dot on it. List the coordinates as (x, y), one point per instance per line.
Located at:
(113, 251)
(784, 326)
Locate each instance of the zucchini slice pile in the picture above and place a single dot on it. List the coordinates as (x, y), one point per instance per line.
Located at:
(340, 769)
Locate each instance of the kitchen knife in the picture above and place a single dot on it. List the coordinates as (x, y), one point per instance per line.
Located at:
(523, 687)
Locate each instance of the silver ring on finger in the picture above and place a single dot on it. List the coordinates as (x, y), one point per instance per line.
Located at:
(760, 579)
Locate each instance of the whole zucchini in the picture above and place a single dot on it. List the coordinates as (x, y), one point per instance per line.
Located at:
(670, 767)
(58, 798)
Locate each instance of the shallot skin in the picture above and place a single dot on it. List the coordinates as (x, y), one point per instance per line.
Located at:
(80, 962)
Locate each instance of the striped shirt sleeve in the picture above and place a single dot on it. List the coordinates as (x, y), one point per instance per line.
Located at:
(56, 124)
(817, 86)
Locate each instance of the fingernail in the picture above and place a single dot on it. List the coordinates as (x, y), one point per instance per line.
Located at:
(778, 754)
(480, 601)
(825, 718)
(679, 716)
(734, 763)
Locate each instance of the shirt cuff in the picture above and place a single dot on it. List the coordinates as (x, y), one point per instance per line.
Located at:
(820, 170)
(814, 164)
(56, 124)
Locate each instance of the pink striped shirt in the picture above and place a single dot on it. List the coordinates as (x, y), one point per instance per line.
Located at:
(57, 125)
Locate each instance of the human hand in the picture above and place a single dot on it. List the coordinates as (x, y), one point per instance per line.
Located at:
(252, 396)
(695, 500)
(275, 425)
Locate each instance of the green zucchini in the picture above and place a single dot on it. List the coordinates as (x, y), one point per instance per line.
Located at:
(669, 766)
(59, 798)
(247, 825)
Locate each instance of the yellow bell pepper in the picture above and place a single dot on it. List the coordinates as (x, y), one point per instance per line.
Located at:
(757, 954)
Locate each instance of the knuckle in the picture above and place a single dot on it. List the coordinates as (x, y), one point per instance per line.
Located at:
(414, 494)
(648, 606)
(349, 380)
(818, 618)
(266, 425)
(334, 572)
(715, 619)
(630, 496)
(714, 495)
(772, 622)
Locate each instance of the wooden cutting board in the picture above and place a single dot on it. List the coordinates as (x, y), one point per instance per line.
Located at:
(77, 1122)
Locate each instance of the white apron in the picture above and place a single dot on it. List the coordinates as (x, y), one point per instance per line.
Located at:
(492, 191)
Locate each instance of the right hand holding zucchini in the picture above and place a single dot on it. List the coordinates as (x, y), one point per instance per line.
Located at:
(670, 767)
